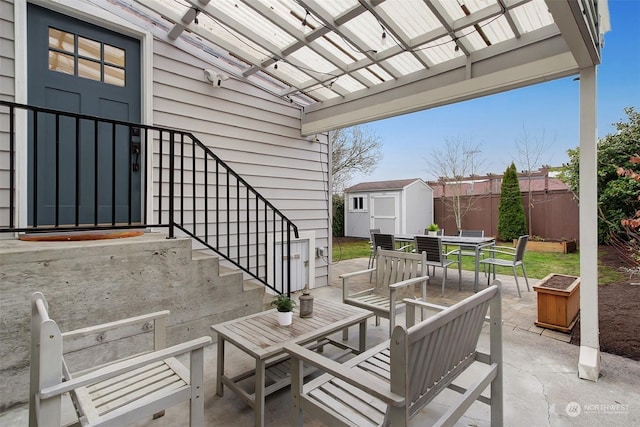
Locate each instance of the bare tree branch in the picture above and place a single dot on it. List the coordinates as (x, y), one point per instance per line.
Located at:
(530, 153)
(459, 158)
(354, 150)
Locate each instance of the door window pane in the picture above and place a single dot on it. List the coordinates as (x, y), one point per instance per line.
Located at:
(113, 75)
(89, 48)
(114, 55)
(61, 62)
(61, 40)
(89, 69)
(93, 60)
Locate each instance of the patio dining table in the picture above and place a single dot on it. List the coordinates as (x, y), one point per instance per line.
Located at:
(478, 244)
(259, 336)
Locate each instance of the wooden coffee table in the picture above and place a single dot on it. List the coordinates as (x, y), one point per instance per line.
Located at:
(261, 337)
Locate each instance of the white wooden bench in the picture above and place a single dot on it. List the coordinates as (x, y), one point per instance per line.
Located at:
(391, 382)
(115, 393)
(397, 273)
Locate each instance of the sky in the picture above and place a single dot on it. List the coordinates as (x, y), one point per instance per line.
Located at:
(548, 110)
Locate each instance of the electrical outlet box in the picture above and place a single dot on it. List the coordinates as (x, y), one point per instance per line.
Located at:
(321, 252)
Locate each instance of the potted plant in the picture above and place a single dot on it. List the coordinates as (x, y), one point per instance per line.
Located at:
(284, 305)
(432, 230)
(558, 301)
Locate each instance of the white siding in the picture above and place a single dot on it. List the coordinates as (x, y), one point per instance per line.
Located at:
(419, 202)
(7, 93)
(257, 134)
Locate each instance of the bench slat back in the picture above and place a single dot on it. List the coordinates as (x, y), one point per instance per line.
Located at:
(396, 266)
(427, 357)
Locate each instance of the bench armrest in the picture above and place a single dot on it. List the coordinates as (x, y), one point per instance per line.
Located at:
(115, 325)
(424, 304)
(408, 282)
(352, 375)
(356, 273)
(121, 367)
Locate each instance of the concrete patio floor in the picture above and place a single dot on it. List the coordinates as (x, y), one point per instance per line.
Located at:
(541, 383)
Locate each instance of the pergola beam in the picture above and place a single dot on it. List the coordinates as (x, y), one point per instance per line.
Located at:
(540, 56)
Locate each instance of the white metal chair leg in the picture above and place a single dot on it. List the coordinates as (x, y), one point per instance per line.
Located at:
(524, 271)
(515, 275)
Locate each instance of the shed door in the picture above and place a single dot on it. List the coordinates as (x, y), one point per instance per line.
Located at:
(80, 174)
(385, 213)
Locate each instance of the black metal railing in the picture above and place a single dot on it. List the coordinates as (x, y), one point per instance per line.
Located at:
(90, 173)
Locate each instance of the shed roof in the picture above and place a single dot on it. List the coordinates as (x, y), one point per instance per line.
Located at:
(397, 184)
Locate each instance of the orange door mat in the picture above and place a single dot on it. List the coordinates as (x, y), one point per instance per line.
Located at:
(75, 236)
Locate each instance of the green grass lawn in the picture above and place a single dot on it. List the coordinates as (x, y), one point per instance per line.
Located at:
(538, 264)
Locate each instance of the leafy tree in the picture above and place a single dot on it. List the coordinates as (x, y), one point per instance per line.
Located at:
(450, 165)
(617, 194)
(338, 216)
(354, 149)
(511, 220)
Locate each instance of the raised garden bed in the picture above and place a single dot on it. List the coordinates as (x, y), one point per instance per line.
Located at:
(550, 245)
(558, 302)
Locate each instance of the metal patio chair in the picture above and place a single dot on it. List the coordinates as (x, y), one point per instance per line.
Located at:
(470, 250)
(511, 257)
(436, 257)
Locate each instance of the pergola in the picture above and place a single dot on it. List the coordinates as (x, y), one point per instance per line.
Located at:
(352, 61)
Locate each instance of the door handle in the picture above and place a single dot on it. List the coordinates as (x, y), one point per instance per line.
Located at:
(135, 149)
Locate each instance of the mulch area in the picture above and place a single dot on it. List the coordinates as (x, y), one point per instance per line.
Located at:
(618, 312)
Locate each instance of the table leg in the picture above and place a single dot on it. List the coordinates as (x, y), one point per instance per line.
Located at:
(259, 394)
(220, 366)
(362, 339)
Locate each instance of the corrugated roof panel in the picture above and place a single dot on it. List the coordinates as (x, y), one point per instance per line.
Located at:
(473, 38)
(412, 16)
(314, 64)
(405, 63)
(371, 77)
(453, 8)
(321, 92)
(288, 72)
(338, 7)
(289, 11)
(369, 31)
(277, 25)
(350, 83)
(256, 22)
(532, 16)
(497, 29)
(341, 49)
(231, 37)
(441, 50)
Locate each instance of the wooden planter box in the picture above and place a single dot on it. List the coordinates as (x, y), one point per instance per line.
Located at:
(558, 306)
(557, 246)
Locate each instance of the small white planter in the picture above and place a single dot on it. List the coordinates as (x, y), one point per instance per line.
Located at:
(432, 233)
(285, 318)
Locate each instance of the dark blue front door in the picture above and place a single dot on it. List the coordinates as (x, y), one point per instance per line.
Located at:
(81, 173)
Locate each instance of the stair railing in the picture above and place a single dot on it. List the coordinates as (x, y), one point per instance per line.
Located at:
(195, 193)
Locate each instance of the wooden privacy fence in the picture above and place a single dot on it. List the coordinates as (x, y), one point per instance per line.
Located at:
(554, 214)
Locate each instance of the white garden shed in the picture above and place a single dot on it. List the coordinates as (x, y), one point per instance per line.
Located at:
(403, 206)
